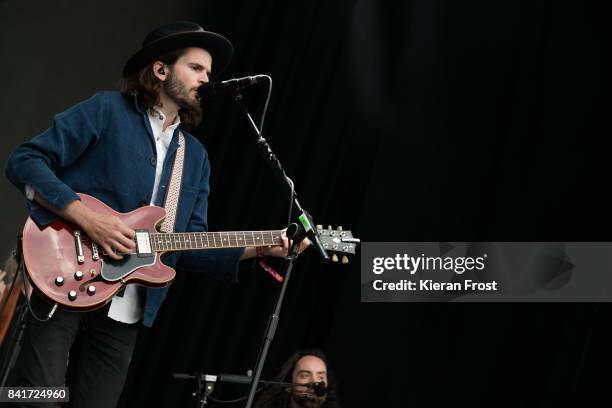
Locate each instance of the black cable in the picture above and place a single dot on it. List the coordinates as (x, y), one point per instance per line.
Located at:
(18, 256)
(10, 289)
(232, 401)
(40, 319)
(290, 200)
(260, 130)
(265, 109)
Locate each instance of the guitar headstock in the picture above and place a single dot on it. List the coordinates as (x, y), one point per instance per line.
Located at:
(338, 240)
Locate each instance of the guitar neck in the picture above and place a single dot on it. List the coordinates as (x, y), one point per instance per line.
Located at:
(184, 241)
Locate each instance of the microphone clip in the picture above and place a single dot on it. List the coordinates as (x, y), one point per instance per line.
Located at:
(305, 229)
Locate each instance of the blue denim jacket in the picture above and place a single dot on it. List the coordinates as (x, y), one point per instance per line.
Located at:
(104, 147)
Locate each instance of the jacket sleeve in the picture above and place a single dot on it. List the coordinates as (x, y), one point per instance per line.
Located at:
(37, 162)
(221, 264)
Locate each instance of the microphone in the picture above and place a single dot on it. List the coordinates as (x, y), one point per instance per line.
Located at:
(319, 388)
(234, 83)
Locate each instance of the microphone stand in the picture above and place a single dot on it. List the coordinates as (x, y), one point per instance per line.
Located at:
(295, 232)
(206, 384)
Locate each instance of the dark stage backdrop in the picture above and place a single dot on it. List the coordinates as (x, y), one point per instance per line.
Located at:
(404, 121)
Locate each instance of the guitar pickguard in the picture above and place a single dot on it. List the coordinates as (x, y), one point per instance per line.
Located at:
(114, 270)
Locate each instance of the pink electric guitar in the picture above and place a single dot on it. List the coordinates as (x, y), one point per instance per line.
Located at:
(70, 270)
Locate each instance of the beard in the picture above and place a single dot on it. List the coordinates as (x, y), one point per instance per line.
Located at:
(306, 400)
(190, 110)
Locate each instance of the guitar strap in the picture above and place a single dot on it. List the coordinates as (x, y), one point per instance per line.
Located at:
(173, 193)
(174, 187)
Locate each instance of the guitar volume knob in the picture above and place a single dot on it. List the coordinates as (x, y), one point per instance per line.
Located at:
(59, 281)
(78, 275)
(91, 290)
(72, 295)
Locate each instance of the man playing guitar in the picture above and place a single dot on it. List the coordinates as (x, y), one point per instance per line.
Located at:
(120, 147)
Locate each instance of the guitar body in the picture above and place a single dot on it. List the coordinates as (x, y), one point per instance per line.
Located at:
(51, 260)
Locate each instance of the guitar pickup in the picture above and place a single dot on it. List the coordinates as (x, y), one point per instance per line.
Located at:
(143, 244)
(78, 244)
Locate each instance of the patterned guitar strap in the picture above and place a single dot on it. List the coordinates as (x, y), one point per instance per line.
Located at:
(174, 188)
(172, 194)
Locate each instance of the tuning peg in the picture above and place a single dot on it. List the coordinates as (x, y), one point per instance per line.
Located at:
(319, 226)
(339, 228)
(344, 259)
(334, 258)
(329, 227)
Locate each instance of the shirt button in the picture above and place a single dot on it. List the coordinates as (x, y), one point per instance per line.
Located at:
(153, 161)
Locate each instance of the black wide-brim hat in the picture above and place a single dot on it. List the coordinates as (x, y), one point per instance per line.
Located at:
(177, 35)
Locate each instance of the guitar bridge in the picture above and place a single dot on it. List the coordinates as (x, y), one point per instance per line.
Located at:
(79, 247)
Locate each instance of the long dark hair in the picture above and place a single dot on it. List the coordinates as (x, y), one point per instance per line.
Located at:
(275, 397)
(147, 87)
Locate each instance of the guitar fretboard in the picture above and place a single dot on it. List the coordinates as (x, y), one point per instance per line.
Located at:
(183, 241)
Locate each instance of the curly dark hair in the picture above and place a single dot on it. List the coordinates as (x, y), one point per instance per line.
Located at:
(146, 86)
(275, 397)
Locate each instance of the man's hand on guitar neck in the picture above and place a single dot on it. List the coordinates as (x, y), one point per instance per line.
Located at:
(108, 231)
(276, 251)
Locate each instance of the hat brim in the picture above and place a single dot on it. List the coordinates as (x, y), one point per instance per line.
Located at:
(220, 49)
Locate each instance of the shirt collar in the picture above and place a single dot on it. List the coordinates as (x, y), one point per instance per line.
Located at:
(157, 115)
